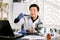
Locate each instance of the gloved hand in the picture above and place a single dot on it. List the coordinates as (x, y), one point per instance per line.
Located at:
(23, 32)
(19, 18)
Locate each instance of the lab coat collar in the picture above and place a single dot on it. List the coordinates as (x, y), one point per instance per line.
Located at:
(35, 19)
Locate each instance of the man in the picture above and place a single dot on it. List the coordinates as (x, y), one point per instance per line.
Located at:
(31, 22)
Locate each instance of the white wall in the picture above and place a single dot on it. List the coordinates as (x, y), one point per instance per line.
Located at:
(52, 13)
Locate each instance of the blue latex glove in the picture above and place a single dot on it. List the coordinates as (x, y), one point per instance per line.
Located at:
(20, 16)
(23, 32)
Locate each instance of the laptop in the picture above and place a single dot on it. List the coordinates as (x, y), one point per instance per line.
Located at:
(6, 30)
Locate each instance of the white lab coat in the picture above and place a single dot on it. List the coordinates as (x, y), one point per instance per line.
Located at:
(28, 23)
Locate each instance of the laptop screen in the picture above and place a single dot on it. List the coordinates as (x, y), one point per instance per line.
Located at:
(5, 28)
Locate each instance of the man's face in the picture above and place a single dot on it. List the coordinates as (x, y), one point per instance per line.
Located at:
(33, 12)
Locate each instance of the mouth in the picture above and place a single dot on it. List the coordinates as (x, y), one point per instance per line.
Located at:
(32, 14)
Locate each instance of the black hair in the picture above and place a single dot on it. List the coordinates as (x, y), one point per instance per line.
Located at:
(34, 5)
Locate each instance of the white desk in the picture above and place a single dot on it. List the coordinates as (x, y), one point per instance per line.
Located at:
(34, 37)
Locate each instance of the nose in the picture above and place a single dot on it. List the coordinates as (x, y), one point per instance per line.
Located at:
(32, 12)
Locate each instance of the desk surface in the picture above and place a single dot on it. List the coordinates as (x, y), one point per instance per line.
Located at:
(33, 37)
